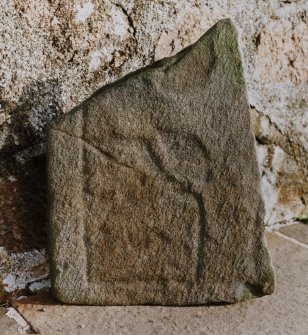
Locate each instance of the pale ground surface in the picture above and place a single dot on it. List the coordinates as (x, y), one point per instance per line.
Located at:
(284, 312)
(298, 231)
(7, 325)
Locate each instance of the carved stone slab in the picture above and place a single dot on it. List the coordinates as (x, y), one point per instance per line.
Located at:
(154, 186)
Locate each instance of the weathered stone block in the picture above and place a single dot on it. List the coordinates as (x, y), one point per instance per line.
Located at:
(154, 186)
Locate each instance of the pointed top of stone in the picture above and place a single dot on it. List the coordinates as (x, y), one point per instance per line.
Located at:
(218, 45)
(154, 187)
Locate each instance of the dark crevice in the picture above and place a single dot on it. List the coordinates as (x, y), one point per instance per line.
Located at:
(129, 19)
(258, 40)
(272, 124)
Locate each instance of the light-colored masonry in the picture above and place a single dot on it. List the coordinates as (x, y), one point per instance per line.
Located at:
(65, 50)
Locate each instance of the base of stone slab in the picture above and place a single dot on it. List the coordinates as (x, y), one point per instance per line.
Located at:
(154, 186)
(284, 312)
(245, 292)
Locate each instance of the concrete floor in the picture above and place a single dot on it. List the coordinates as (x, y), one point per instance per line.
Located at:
(284, 312)
(11, 322)
(7, 325)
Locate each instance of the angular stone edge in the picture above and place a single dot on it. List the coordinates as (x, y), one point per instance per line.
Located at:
(229, 31)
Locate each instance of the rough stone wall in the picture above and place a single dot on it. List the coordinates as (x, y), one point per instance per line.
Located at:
(54, 54)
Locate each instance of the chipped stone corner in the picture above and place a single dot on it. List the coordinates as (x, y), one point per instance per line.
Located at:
(23, 326)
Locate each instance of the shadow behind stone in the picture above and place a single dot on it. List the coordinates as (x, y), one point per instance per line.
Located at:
(23, 167)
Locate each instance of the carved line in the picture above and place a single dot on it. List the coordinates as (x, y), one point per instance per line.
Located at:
(97, 150)
(83, 170)
(171, 178)
(198, 197)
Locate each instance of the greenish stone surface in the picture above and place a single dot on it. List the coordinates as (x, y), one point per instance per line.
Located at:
(154, 187)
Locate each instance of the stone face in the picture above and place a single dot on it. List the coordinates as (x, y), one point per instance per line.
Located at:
(154, 186)
(269, 315)
(54, 54)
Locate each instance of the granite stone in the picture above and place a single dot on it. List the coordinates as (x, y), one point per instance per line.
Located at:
(154, 186)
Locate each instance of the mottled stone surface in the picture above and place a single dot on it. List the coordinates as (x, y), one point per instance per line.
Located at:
(154, 186)
(54, 54)
(284, 312)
